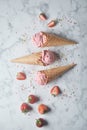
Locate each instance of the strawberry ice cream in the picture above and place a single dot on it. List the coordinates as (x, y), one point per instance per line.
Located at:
(45, 57)
(41, 78)
(39, 39)
(48, 57)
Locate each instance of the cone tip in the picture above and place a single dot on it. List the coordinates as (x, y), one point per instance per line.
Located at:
(75, 42)
(12, 60)
(73, 64)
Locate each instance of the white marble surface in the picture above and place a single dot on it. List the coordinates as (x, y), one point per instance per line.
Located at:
(18, 22)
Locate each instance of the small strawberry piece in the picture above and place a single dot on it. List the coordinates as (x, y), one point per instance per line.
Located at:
(51, 23)
(42, 109)
(40, 122)
(32, 99)
(42, 16)
(55, 91)
(25, 107)
(21, 76)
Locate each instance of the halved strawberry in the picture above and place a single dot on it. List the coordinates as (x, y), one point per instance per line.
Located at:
(32, 99)
(21, 76)
(55, 91)
(51, 24)
(42, 108)
(25, 107)
(40, 122)
(42, 16)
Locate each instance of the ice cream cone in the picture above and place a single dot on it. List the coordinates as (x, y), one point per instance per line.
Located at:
(56, 72)
(53, 40)
(45, 57)
(34, 58)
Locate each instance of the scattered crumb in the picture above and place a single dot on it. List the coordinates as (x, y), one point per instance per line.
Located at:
(48, 99)
(33, 87)
(23, 38)
(67, 109)
(66, 59)
(75, 23)
(65, 95)
(23, 87)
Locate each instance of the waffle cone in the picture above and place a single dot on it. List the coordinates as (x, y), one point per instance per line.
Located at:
(53, 40)
(56, 72)
(33, 58)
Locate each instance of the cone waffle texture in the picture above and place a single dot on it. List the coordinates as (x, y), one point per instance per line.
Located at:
(56, 72)
(34, 58)
(53, 40)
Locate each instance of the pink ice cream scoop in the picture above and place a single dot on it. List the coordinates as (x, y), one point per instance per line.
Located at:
(48, 57)
(41, 78)
(39, 39)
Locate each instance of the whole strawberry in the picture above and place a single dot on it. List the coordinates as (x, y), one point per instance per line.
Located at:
(42, 108)
(42, 16)
(21, 76)
(55, 91)
(32, 99)
(25, 107)
(52, 23)
(40, 122)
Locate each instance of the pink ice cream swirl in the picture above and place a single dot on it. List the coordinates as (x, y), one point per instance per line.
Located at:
(41, 78)
(39, 39)
(48, 57)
